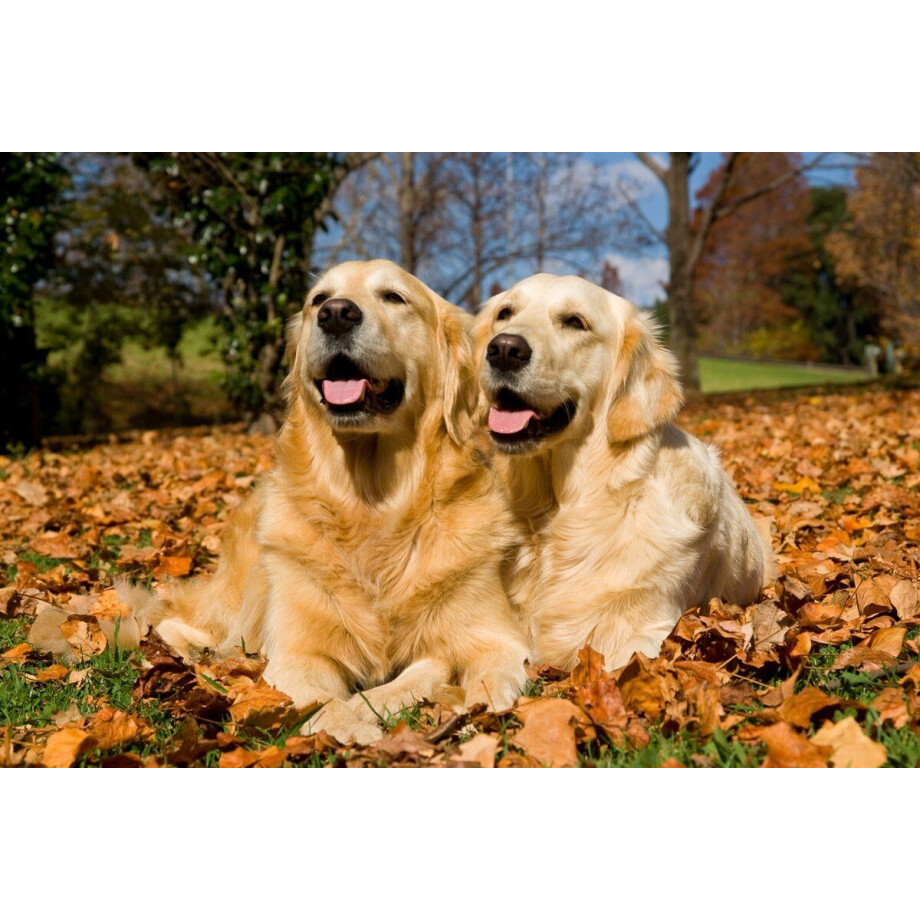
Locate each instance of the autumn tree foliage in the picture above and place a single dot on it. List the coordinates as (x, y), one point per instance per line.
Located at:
(738, 284)
(880, 248)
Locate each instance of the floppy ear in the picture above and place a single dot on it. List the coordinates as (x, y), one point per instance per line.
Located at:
(457, 372)
(649, 392)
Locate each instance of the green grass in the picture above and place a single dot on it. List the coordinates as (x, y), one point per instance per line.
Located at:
(720, 375)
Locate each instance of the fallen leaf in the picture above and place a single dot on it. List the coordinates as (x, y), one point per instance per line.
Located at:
(58, 545)
(115, 728)
(176, 566)
(905, 601)
(480, 750)
(787, 748)
(548, 734)
(590, 667)
(52, 672)
(850, 746)
(83, 635)
(798, 710)
(262, 707)
(66, 746)
(872, 597)
(32, 492)
(17, 652)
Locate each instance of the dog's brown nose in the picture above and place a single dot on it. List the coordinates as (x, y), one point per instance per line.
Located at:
(508, 352)
(336, 317)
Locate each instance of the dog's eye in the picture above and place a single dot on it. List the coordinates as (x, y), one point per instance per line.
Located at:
(504, 313)
(574, 322)
(393, 297)
(319, 298)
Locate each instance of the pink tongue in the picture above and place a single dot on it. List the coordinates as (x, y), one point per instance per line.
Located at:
(344, 392)
(502, 422)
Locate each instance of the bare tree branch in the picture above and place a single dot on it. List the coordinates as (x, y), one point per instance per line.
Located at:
(637, 210)
(778, 182)
(654, 167)
(709, 214)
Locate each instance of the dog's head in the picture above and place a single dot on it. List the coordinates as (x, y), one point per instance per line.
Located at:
(374, 349)
(558, 354)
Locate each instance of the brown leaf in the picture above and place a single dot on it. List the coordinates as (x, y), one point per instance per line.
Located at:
(479, 750)
(58, 545)
(864, 658)
(799, 709)
(263, 707)
(83, 635)
(238, 757)
(892, 707)
(820, 616)
(18, 652)
(32, 493)
(66, 746)
(905, 601)
(787, 748)
(602, 700)
(770, 624)
(849, 745)
(590, 667)
(643, 692)
(402, 740)
(52, 672)
(109, 606)
(872, 596)
(115, 728)
(888, 640)
(548, 734)
(176, 566)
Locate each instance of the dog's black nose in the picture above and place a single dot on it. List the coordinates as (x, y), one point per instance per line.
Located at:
(508, 352)
(336, 317)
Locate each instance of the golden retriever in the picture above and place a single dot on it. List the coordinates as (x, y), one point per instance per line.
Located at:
(367, 564)
(630, 520)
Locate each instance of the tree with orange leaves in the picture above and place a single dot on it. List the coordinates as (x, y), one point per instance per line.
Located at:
(738, 283)
(880, 249)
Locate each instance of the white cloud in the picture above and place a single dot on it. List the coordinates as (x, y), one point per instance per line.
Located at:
(642, 277)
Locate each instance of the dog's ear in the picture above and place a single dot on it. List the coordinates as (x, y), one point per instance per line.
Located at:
(292, 337)
(648, 389)
(459, 387)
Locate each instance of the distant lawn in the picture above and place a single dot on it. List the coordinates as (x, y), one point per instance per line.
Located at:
(719, 375)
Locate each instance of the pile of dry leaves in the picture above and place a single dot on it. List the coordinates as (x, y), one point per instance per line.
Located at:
(823, 671)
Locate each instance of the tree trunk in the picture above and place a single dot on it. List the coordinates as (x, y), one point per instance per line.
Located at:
(680, 286)
(406, 198)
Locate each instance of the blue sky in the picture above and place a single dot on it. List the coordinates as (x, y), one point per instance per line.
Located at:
(643, 276)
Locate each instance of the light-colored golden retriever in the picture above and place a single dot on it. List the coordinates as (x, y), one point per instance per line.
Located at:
(368, 561)
(630, 520)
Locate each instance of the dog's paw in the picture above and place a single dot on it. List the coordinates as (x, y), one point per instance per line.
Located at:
(340, 721)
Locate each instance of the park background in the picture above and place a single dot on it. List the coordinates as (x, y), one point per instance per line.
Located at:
(151, 290)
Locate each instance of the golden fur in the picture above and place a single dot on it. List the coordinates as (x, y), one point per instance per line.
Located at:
(369, 558)
(630, 519)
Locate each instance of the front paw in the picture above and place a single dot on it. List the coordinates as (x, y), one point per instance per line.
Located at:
(340, 721)
(498, 695)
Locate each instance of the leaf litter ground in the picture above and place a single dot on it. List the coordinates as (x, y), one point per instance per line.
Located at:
(822, 672)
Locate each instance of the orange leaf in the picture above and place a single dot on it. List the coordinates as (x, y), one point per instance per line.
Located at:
(850, 746)
(176, 566)
(84, 635)
(52, 672)
(548, 734)
(787, 748)
(114, 728)
(66, 746)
